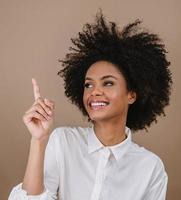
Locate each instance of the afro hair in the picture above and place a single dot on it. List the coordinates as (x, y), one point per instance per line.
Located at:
(139, 55)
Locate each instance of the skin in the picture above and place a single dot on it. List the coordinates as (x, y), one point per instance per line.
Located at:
(38, 120)
(109, 121)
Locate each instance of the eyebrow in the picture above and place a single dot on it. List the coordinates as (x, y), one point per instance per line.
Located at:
(104, 77)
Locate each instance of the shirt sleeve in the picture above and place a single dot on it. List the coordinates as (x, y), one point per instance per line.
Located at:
(51, 176)
(158, 187)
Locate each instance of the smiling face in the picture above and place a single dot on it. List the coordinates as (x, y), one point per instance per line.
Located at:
(105, 93)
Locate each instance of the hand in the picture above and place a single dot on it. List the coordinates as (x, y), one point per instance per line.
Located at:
(39, 118)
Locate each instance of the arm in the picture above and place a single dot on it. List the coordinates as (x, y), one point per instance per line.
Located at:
(39, 121)
(50, 178)
(33, 179)
(158, 187)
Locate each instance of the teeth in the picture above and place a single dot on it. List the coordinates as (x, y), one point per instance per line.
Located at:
(98, 104)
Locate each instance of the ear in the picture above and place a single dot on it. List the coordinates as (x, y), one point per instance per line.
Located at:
(131, 97)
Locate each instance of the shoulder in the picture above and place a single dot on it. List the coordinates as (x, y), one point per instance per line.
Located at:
(67, 134)
(147, 158)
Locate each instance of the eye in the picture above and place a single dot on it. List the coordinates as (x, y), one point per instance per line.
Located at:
(86, 85)
(108, 83)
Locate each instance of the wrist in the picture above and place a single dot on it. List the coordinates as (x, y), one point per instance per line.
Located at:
(40, 142)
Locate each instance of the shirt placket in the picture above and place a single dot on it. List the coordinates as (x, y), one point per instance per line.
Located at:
(100, 174)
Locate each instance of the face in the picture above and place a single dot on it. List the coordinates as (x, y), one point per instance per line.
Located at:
(105, 93)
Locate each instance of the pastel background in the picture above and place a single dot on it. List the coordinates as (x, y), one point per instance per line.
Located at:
(35, 34)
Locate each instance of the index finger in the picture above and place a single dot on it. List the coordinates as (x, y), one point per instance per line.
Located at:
(36, 89)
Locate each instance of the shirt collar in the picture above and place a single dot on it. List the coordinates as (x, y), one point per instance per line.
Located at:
(117, 150)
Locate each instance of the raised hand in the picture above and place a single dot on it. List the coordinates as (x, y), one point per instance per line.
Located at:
(39, 118)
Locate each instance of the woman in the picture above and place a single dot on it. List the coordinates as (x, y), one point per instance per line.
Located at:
(121, 82)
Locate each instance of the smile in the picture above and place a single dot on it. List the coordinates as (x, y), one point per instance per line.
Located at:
(98, 105)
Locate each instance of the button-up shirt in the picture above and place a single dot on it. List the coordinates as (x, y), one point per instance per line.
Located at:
(78, 166)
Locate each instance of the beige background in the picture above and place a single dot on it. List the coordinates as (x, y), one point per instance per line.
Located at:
(35, 34)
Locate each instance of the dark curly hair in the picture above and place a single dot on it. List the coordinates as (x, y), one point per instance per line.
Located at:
(139, 55)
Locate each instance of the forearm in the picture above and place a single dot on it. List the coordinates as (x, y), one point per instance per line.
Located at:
(33, 181)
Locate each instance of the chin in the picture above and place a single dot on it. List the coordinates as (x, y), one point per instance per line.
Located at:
(98, 117)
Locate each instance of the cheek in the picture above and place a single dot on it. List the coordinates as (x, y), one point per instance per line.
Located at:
(85, 97)
(118, 96)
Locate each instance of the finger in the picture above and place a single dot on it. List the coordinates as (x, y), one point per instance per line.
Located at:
(38, 108)
(49, 103)
(36, 89)
(29, 116)
(46, 107)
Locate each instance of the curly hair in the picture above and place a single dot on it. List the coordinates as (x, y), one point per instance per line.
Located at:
(139, 55)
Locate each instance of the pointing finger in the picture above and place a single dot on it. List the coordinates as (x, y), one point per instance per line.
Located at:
(36, 89)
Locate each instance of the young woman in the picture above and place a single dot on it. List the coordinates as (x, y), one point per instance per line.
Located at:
(121, 82)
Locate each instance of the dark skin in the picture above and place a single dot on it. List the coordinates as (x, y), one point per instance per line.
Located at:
(105, 83)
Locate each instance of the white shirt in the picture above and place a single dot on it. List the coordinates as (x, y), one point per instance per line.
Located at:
(78, 166)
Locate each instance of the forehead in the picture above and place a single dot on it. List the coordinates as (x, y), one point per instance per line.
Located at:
(103, 68)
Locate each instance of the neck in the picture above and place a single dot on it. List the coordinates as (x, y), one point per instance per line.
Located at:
(110, 134)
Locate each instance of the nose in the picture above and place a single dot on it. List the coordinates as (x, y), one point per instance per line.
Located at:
(96, 91)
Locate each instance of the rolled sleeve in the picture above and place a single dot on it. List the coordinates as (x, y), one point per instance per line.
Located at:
(18, 193)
